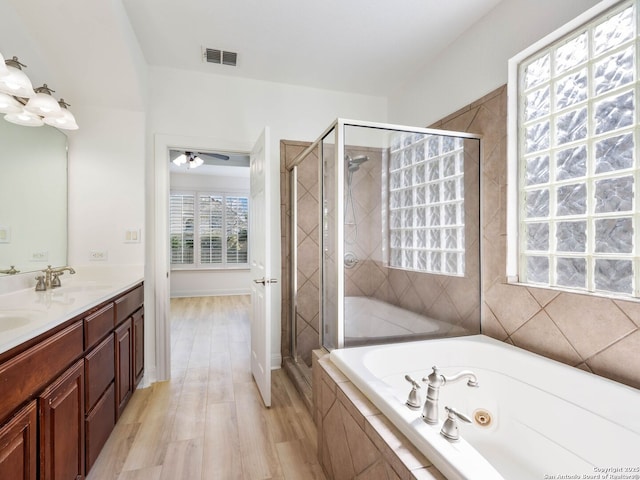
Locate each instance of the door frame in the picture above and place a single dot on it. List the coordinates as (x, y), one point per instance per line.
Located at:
(158, 264)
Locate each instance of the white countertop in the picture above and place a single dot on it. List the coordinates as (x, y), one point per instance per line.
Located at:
(25, 313)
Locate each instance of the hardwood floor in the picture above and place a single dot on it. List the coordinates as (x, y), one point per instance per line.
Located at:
(208, 421)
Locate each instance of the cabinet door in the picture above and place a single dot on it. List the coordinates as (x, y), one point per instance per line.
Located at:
(124, 365)
(61, 408)
(18, 441)
(138, 346)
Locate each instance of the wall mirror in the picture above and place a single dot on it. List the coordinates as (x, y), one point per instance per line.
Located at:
(33, 197)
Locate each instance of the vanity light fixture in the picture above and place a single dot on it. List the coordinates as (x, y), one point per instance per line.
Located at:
(25, 106)
(191, 159)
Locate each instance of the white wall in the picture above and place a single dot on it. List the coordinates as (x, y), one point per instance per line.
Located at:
(476, 63)
(199, 283)
(236, 110)
(106, 186)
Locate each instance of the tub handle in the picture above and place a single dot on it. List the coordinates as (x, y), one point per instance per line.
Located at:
(414, 401)
(412, 381)
(450, 429)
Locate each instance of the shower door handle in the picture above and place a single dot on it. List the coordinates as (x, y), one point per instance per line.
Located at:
(264, 281)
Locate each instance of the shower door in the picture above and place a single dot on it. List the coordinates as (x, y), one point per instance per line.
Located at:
(305, 265)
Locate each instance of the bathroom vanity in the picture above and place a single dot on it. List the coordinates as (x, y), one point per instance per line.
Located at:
(69, 364)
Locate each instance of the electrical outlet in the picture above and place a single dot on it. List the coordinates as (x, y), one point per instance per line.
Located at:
(98, 255)
(42, 256)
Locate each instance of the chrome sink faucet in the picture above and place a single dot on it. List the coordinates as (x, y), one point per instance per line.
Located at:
(437, 380)
(52, 276)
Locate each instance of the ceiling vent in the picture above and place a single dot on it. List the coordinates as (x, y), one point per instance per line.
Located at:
(229, 58)
(212, 55)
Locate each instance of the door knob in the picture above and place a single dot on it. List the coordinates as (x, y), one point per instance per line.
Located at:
(264, 281)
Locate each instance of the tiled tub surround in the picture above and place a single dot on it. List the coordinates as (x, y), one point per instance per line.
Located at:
(39, 312)
(593, 333)
(580, 433)
(355, 441)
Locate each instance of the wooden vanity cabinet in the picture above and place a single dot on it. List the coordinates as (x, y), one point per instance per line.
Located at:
(61, 418)
(138, 346)
(129, 346)
(18, 445)
(100, 417)
(63, 391)
(124, 365)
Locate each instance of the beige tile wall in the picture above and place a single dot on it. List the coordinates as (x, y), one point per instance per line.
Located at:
(592, 333)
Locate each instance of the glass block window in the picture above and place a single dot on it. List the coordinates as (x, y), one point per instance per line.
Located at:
(578, 161)
(217, 237)
(426, 203)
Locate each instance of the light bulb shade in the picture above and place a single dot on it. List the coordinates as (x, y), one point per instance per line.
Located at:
(8, 104)
(64, 121)
(180, 159)
(16, 83)
(195, 162)
(43, 104)
(3, 68)
(24, 118)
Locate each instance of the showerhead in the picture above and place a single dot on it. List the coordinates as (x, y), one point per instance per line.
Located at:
(353, 164)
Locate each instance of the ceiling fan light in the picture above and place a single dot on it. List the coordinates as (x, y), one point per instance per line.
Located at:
(8, 104)
(195, 162)
(24, 118)
(180, 159)
(16, 83)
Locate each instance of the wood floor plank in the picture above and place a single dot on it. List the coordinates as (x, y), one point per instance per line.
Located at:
(222, 459)
(183, 460)
(294, 464)
(208, 421)
(150, 473)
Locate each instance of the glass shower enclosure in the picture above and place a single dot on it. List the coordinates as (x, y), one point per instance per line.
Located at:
(396, 226)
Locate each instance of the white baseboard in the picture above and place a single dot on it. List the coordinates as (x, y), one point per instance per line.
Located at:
(210, 293)
(276, 361)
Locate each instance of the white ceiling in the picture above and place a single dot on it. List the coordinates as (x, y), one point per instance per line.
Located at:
(96, 51)
(363, 46)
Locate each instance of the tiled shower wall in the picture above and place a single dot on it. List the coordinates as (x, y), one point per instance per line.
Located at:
(596, 334)
(592, 333)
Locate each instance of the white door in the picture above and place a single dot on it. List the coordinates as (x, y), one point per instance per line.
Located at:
(260, 251)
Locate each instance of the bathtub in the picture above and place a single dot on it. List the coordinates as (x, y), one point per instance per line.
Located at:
(368, 319)
(548, 420)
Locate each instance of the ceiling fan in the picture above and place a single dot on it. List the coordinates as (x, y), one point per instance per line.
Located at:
(194, 159)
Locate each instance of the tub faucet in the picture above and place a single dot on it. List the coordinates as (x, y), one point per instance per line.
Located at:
(437, 380)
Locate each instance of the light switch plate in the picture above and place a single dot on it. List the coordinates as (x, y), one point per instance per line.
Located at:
(132, 235)
(5, 234)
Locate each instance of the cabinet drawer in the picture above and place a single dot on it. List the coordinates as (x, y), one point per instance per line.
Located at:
(30, 371)
(99, 371)
(98, 324)
(129, 303)
(98, 426)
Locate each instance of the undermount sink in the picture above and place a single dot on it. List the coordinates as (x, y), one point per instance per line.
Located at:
(12, 319)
